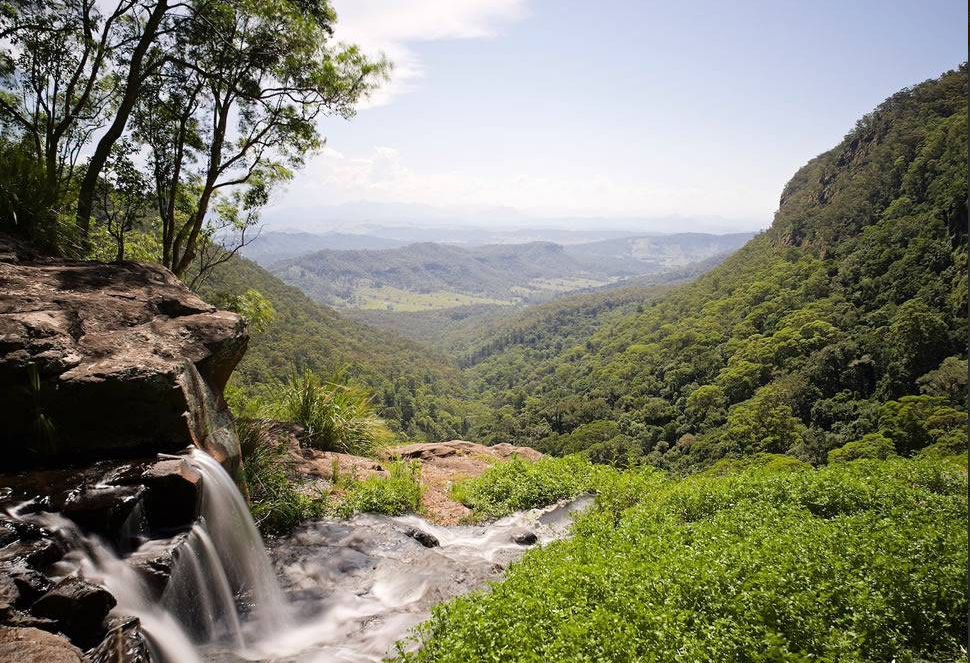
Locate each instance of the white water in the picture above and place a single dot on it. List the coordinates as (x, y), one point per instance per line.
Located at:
(356, 587)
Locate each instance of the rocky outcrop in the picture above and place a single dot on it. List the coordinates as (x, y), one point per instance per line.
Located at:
(102, 369)
(442, 464)
(108, 360)
(459, 449)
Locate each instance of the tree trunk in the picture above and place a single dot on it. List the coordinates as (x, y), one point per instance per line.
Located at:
(133, 84)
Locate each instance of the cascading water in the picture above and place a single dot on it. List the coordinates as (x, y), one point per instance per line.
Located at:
(355, 587)
(222, 590)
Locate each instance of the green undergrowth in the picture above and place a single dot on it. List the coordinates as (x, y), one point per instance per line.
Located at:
(279, 499)
(856, 561)
(395, 494)
(519, 484)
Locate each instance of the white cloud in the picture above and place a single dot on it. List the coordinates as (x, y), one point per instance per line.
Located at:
(380, 26)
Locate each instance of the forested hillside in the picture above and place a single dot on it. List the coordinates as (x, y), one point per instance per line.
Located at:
(416, 390)
(844, 324)
(428, 276)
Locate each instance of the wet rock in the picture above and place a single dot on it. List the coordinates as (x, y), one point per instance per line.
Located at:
(424, 538)
(104, 360)
(7, 533)
(173, 496)
(31, 645)
(78, 607)
(124, 642)
(525, 538)
(37, 553)
(21, 585)
(103, 510)
(155, 561)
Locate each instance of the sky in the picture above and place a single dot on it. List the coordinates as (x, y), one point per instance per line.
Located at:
(588, 113)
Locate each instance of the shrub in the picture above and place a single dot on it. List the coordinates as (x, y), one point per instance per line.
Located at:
(763, 462)
(276, 503)
(856, 562)
(518, 484)
(396, 494)
(872, 445)
(337, 416)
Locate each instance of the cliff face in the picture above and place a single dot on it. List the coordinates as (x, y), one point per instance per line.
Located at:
(110, 360)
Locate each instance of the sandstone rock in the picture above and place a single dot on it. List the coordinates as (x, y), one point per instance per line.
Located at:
(31, 645)
(155, 559)
(434, 450)
(444, 463)
(20, 585)
(78, 607)
(105, 360)
(36, 553)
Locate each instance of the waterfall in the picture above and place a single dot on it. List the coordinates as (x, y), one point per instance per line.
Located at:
(356, 586)
(222, 590)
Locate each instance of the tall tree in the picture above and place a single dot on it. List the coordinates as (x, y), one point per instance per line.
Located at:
(54, 64)
(235, 107)
(142, 31)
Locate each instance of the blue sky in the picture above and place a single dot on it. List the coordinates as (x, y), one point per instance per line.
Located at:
(615, 109)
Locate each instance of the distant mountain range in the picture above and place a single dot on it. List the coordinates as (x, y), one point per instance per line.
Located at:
(429, 275)
(273, 246)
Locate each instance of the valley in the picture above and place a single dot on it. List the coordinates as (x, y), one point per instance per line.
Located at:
(431, 276)
(483, 332)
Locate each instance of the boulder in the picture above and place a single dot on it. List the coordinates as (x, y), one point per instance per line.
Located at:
(174, 494)
(31, 645)
(106, 511)
(111, 360)
(35, 553)
(424, 538)
(78, 607)
(155, 559)
(21, 585)
(525, 538)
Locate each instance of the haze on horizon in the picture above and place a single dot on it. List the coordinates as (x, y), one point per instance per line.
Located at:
(541, 113)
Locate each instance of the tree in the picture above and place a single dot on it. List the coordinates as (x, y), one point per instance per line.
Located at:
(706, 407)
(234, 108)
(124, 196)
(54, 68)
(916, 343)
(764, 423)
(141, 61)
(948, 380)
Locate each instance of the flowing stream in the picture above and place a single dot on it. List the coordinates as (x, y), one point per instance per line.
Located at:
(333, 591)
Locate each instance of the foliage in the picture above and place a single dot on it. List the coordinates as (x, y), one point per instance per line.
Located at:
(220, 98)
(336, 415)
(276, 503)
(280, 498)
(855, 299)
(518, 484)
(396, 494)
(256, 310)
(873, 445)
(858, 562)
(418, 392)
